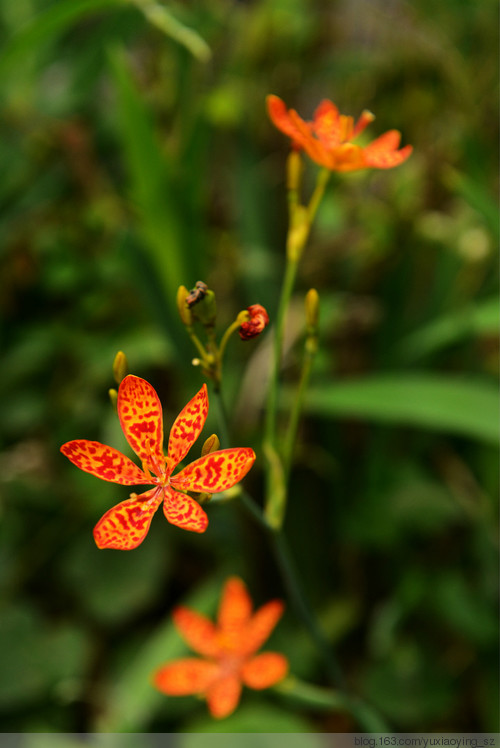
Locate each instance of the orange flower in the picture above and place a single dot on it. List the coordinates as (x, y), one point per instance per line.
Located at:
(328, 138)
(229, 648)
(139, 409)
(253, 326)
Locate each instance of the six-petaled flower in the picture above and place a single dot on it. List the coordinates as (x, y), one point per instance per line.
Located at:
(139, 409)
(256, 322)
(228, 649)
(327, 140)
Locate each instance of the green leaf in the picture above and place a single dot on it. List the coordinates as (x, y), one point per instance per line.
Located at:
(64, 13)
(114, 586)
(45, 26)
(160, 17)
(151, 186)
(460, 406)
(477, 197)
(133, 700)
(252, 718)
(482, 318)
(37, 655)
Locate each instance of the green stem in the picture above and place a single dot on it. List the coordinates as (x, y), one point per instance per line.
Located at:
(221, 418)
(366, 717)
(196, 342)
(325, 698)
(300, 221)
(250, 505)
(291, 434)
(224, 340)
(296, 594)
(272, 398)
(317, 196)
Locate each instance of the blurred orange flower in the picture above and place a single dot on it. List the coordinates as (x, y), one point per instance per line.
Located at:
(126, 525)
(328, 138)
(229, 648)
(257, 321)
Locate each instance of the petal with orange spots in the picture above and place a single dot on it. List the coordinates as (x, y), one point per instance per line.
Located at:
(196, 630)
(140, 414)
(104, 462)
(382, 154)
(261, 625)
(126, 525)
(264, 670)
(281, 118)
(188, 426)
(186, 676)
(235, 607)
(223, 696)
(216, 471)
(329, 125)
(183, 511)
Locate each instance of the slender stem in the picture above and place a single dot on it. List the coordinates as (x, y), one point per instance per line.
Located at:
(363, 713)
(326, 698)
(221, 418)
(196, 342)
(291, 434)
(289, 574)
(272, 399)
(232, 328)
(315, 696)
(254, 509)
(317, 196)
(250, 505)
(302, 218)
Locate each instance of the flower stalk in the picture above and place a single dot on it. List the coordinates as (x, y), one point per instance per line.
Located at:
(301, 219)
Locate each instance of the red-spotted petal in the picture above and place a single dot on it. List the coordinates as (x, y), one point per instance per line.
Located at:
(126, 525)
(329, 125)
(183, 511)
(216, 471)
(264, 670)
(104, 462)
(188, 426)
(235, 607)
(260, 626)
(139, 411)
(223, 696)
(382, 153)
(186, 676)
(197, 631)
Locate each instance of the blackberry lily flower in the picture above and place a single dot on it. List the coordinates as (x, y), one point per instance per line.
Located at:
(139, 409)
(228, 649)
(328, 139)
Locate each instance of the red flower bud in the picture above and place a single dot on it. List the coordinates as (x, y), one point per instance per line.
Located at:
(259, 319)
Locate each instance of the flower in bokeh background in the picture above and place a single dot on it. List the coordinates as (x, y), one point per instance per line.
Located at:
(327, 140)
(126, 525)
(228, 649)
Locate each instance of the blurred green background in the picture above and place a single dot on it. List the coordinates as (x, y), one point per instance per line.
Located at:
(137, 156)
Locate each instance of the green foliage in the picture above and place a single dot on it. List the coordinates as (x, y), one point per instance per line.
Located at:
(429, 401)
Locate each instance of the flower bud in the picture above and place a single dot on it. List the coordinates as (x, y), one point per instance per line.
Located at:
(182, 307)
(113, 396)
(211, 444)
(201, 300)
(312, 309)
(120, 367)
(257, 321)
